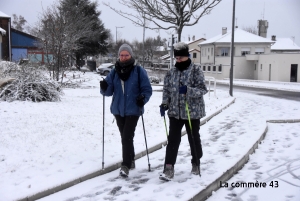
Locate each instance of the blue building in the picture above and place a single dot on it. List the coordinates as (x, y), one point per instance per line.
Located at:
(21, 44)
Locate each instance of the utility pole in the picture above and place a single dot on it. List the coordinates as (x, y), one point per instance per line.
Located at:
(171, 50)
(144, 40)
(232, 49)
(117, 39)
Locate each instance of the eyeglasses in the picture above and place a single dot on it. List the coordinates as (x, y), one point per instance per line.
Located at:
(124, 55)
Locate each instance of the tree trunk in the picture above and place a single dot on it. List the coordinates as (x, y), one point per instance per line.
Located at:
(179, 31)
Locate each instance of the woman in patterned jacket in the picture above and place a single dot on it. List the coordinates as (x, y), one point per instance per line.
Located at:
(183, 91)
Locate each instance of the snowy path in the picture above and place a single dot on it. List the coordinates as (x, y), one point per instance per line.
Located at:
(44, 145)
(226, 138)
(276, 162)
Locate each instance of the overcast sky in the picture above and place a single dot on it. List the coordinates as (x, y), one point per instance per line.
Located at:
(283, 17)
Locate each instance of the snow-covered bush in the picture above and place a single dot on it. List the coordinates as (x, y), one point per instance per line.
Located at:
(28, 84)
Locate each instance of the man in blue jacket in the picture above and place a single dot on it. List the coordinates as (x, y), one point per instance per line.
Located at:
(131, 90)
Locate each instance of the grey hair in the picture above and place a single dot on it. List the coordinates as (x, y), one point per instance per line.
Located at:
(180, 46)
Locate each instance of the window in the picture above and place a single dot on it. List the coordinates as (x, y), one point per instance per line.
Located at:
(212, 52)
(224, 51)
(245, 50)
(208, 68)
(194, 55)
(259, 50)
(260, 66)
(214, 68)
(220, 68)
(203, 68)
(208, 57)
(254, 66)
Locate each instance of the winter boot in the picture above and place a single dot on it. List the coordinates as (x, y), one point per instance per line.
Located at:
(132, 165)
(195, 169)
(168, 173)
(124, 171)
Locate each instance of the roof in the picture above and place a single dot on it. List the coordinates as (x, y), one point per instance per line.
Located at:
(193, 41)
(284, 44)
(23, 33)
(4, 15)
(2, 31)
(240, 36)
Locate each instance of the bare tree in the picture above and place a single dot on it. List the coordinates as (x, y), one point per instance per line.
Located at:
(60, 32)
(166, 14)
(18, 22)
(251, 29)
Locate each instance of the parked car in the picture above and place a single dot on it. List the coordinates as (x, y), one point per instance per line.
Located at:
(154, 79)
(105, 68)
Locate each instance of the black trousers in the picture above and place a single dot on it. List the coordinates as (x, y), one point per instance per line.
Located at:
(174, 140)
(127, 126)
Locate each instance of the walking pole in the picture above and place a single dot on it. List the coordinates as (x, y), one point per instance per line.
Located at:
(103, 131)
(145, 140)
(194, 145)
(166, 127)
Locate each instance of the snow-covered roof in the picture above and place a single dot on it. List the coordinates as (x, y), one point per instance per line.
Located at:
(192, 41)
(2, 31)
(240, 36)
(284, 44)
(4, 15)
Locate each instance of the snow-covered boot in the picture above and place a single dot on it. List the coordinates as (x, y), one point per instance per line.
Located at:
(168, 173)
(195, 169)
(124, 171)
(132, 165)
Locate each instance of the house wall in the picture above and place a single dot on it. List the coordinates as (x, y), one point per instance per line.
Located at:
(217, 74)
(242, 68)
(207, 54)
(194, 45)
(18, 53)
(280, 66)
(5, 24)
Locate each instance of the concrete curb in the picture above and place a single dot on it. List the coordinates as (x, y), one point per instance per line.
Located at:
(214, 186)
(112, 167)
(261, 87)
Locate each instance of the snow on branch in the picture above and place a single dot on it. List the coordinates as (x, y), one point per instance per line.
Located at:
(27, 83)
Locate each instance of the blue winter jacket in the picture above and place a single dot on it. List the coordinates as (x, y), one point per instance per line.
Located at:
(124, 104)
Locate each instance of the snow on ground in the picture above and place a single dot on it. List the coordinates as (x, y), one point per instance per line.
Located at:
(225, 139)
(46, 144)
(276, 163)
(49, 143)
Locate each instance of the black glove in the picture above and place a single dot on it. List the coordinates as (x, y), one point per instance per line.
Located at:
(140, 100)
(103, 85)
(163, 108)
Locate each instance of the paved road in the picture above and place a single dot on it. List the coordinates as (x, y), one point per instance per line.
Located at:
(288, 95)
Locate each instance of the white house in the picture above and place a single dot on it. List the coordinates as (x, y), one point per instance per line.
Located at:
(194, 50)
(255, 57)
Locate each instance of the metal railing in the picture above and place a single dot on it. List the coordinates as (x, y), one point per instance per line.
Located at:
(209, 79)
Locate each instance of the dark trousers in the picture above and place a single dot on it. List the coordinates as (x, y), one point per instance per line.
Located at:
(174, 140)
(127, 126)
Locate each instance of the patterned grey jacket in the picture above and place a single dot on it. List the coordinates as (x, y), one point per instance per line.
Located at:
(193, 78)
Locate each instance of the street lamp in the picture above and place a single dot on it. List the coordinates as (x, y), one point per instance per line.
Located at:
(117, 33)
